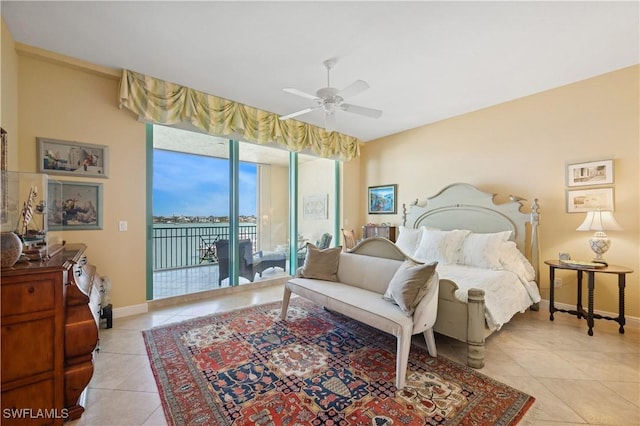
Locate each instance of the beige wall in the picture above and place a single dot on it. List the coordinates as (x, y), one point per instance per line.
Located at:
(61, 99)
(523, 147)
(352, 206)
(9, 94)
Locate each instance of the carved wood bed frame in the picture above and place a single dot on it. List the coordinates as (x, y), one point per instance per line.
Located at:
(463, 206)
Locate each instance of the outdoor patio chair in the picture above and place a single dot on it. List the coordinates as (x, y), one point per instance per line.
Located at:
(264, 260)
(323, 243)
(207, 248)
(246, 259)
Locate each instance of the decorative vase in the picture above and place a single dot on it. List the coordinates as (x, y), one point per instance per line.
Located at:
(10, 249)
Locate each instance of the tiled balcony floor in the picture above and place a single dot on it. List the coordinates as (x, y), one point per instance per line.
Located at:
(195, 279)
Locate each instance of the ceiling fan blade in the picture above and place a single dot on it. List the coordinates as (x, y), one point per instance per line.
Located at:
(300, 93)
(330, 122)
(297, 113)
(368, 112)
(354, 88)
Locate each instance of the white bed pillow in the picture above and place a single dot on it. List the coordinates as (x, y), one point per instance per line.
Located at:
(441, 246)
(483, 250)
(408, 239)
(513, 260)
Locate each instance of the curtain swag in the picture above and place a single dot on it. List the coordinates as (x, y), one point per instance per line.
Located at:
(162, 102)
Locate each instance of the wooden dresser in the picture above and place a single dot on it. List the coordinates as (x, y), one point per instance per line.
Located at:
(49, 331)
(388, 232)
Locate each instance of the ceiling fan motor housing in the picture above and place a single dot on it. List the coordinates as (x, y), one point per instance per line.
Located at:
(330, 99)
(327, 93)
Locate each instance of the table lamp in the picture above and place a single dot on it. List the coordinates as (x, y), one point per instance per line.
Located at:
(599, 221)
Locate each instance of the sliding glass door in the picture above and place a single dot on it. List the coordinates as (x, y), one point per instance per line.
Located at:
(220, 212)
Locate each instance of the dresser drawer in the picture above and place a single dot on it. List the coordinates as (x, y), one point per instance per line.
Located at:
(83, 277)
(40, 396)
(27, 348)
(27, 297)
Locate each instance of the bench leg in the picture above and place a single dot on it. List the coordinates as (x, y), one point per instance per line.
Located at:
(285, 303)
(402, 360)
(431, 342)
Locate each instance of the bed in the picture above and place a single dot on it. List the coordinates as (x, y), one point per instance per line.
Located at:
(488, 260)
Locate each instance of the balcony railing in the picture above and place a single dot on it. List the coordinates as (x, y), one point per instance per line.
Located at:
(185, 245)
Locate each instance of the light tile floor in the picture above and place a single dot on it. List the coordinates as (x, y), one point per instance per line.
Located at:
(576, 379)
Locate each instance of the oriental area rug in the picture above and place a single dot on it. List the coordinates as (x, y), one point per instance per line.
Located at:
(247, 367)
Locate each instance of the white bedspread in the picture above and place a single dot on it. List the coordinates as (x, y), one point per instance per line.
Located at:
(505, 292)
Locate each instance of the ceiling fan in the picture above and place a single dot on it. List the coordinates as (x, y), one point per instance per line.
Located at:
(330, 99)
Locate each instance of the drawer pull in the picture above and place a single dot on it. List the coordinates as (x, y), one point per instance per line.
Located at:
(31, 289)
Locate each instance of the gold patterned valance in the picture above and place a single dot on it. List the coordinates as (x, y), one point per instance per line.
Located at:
(162, 102)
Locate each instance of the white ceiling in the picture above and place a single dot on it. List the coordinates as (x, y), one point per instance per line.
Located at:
(425, 61)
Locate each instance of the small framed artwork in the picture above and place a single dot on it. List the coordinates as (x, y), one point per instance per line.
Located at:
(584, 200)
(315, 207)
(382, 199)
(76, 206)
(56, 157)
(592, 173)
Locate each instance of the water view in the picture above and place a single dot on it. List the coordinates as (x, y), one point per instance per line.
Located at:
(179, 245)
(190, 205)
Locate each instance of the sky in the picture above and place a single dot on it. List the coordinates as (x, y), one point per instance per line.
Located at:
(195, 185)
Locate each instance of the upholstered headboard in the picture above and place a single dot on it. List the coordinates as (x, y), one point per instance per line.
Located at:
(463, 206)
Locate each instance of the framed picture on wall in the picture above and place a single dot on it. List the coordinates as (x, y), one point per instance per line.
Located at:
(592, 173)
(56, 157)
(584, 200)
(77, 206)
(382, 199)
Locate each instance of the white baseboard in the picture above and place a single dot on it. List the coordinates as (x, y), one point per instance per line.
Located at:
(633, 322)
(126, 311)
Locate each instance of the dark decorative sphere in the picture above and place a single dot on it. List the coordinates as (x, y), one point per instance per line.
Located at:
(10, 249)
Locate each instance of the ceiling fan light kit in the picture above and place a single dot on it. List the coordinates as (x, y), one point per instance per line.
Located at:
(330, 99)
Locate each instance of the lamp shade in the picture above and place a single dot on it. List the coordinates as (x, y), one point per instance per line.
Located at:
(599, 221)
